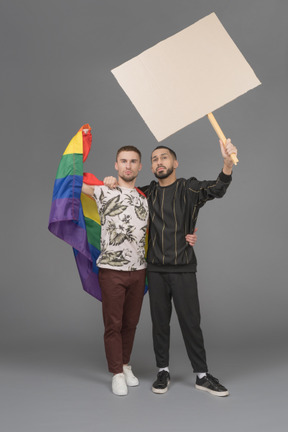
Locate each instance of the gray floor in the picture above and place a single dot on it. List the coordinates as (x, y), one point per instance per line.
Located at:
(62, 385)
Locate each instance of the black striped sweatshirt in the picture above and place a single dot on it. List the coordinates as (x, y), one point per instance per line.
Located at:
(173, 214)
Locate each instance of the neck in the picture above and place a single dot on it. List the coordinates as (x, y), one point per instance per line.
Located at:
(123, 183)
(167, 181)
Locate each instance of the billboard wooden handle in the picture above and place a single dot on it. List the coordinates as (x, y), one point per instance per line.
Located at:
(221, 135)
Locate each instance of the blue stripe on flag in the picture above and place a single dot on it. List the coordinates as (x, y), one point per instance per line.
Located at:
(68, 187)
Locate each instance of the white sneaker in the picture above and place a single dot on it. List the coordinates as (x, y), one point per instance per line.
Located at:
(119, 386)
(130, 378)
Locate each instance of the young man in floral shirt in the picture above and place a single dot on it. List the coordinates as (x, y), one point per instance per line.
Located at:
(122, 265)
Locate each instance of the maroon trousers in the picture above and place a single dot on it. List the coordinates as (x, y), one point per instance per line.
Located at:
(122, 297)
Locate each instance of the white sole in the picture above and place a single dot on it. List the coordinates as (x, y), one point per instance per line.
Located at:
(132, 385)
(214, 393)
(121, 393)
(160, 391)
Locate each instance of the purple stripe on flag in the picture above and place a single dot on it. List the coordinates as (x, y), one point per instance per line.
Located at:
(61, 225)
(65, 209)
(89, 279)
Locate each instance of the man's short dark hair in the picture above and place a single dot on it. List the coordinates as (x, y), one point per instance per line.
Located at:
(172, 152)
(128, 148)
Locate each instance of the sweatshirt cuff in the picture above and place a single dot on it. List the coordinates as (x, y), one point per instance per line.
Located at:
(225, 178)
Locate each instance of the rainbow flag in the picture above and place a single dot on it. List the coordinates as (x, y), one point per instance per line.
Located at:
(74, 217)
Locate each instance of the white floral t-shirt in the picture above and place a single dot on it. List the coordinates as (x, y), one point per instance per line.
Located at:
(124, 219)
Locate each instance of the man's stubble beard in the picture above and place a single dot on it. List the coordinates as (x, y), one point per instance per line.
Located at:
(164, 175)
(128, 179)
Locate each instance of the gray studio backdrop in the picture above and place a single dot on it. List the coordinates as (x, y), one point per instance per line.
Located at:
(56, 58)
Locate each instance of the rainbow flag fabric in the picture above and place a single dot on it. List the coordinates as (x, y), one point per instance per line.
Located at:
(74, 216)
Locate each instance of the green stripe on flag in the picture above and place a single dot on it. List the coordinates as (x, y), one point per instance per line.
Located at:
(93, 232)
(70, 164)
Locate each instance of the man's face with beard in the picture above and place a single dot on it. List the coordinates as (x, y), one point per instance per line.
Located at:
(163, 163)
(128, 165)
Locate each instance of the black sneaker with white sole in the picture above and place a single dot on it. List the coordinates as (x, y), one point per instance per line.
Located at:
(162, 382)
(212, 385)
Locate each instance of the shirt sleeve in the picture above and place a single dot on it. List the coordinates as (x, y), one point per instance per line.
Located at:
(207, 190)
(97, 195)
(148, 188)
(144, 189)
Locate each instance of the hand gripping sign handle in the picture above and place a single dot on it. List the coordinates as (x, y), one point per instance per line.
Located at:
(221, 135)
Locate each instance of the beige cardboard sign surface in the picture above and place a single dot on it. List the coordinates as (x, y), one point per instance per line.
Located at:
(186, 76)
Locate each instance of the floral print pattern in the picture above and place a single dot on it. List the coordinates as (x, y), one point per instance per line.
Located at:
(124, 219)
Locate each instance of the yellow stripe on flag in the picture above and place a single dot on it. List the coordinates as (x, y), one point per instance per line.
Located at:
(90, 208)
(75, 145)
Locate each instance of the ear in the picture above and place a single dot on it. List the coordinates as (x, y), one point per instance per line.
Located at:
(116, 166)
(140, 167)
(175, 164)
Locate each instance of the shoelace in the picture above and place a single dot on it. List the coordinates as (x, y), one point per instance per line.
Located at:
(215, 381)
(212, 378)
(162, 376)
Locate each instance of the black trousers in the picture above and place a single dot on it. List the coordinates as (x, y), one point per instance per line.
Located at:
(182, 288)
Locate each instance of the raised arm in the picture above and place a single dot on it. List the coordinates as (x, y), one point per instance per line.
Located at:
(209, 189)
(226, 152)
(89, 182)
(87, 189)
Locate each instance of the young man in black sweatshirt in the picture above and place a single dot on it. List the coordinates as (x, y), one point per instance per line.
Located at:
(171, 262)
